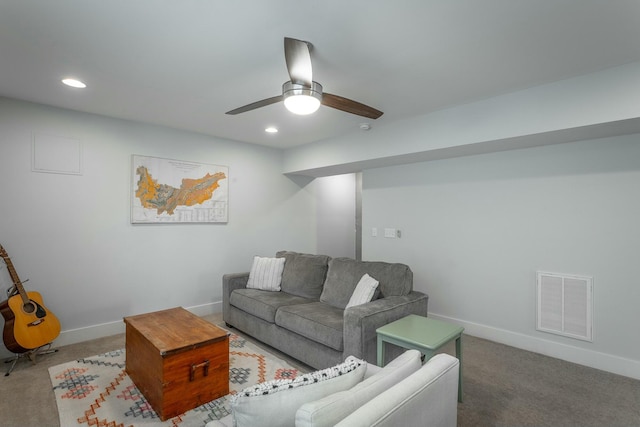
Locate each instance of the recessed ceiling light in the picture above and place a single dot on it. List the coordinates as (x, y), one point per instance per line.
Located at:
(74, 83)
(271, 129)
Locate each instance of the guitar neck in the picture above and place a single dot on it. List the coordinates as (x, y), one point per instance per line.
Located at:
(14, 275)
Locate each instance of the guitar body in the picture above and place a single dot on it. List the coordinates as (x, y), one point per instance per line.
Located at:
(27, 326)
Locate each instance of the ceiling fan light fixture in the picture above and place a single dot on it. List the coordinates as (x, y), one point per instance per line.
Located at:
(302, 104)
(300, 99)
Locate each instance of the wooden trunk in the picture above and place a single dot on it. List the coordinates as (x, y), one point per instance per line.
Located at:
(177, 360)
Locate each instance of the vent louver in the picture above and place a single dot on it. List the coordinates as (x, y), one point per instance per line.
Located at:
(564, 305)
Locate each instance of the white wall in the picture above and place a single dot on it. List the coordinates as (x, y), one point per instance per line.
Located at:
(336, 215)
(72, 236)
(599, 104)
(476, 229)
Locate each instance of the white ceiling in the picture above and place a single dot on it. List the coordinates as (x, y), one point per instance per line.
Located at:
(184, 63)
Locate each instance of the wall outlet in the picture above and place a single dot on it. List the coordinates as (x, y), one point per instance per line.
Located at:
(390, 233)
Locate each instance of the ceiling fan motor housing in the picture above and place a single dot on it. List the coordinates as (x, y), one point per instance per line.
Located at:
(302, 99)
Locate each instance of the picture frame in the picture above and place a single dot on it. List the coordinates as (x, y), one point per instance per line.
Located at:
(172, 191)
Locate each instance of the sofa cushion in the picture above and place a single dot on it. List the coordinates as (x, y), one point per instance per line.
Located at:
(274, 403)
(332, 408)
(344, 274)
(364, 291)
(263, 304)
(266, 273)
(319, 322)
(303, 274)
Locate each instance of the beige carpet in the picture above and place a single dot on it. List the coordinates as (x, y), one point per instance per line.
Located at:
(97, 390)
(503, 386)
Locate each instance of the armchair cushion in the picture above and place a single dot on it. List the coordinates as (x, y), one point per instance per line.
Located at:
(427, 397)
(329, 410)
(274, 403)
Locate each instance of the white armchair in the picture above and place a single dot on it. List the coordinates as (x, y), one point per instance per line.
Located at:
(403, 393)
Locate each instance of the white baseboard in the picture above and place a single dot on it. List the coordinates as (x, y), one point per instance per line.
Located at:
(73, 336)
(593, 359)
(603, 361)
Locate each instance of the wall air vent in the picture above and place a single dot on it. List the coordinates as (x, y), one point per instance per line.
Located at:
(565, 305)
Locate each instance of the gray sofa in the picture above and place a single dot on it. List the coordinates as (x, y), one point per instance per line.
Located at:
(307, 319)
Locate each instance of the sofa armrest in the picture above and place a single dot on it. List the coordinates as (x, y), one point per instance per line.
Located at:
(428, 397)
(231, 282)
(361, 322)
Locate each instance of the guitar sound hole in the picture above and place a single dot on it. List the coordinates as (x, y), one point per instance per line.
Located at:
(29, 307)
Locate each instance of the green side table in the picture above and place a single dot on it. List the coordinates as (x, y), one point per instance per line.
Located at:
(423, 334)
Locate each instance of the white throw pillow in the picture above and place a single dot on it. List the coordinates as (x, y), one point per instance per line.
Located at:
(364, 291)
(266, 273)
(274, 403)
(330, 409)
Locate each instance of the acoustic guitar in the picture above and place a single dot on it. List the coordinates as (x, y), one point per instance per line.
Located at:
(28, 324)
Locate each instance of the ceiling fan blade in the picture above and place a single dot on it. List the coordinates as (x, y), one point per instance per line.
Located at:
(350, 106)
(254, 105)
(298, 57)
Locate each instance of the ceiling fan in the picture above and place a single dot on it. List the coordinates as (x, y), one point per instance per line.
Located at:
(301, 95)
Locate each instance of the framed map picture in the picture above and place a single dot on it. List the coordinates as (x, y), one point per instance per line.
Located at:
(176, 191)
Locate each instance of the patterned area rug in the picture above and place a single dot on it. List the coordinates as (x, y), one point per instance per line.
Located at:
(96, 391)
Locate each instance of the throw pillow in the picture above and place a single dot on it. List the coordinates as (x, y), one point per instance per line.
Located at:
(274, 403)
(365, 289)
(330, 409)
(266, 274)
